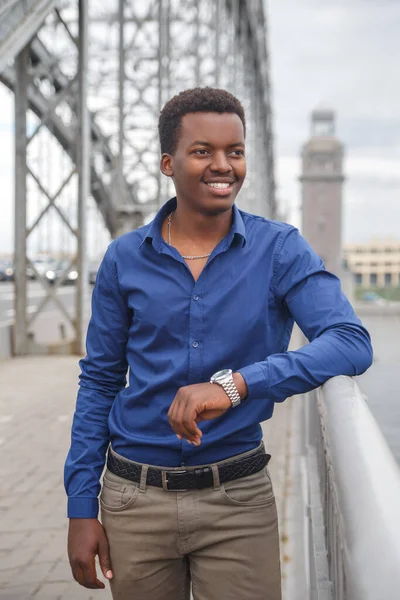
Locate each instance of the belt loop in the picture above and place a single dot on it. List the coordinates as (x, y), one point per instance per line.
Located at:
(215, 472)
(143, 478)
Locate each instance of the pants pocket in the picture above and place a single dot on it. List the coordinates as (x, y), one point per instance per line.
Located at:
(253, 490)
(117, 493)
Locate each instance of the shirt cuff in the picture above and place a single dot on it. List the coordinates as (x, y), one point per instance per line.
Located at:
(255, 378)
(82, 508)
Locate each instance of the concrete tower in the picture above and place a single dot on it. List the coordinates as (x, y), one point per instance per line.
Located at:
(322, 181)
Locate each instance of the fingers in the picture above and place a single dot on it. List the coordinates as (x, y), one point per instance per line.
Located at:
(86, 540)
(104, 558)
(187, 423)
(182, 416)
(183, 422)
(85, 574)
(195, 403)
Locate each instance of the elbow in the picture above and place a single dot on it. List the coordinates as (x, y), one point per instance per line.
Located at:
(356, 346)
(365, 354)
(364, 361)
(107, 378)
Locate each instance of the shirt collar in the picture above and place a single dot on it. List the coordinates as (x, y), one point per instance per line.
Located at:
(237, 232)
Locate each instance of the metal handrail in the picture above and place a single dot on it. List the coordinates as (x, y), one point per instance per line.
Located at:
(360, 495)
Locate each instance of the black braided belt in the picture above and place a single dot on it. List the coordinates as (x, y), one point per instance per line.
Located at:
(189, 479)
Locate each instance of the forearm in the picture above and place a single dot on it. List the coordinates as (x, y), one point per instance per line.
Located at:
(86, 457)
(340, 350)
(89, 439)
(103, 375)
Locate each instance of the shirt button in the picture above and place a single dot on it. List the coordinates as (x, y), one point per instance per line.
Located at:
(195, 297)
(195, 344)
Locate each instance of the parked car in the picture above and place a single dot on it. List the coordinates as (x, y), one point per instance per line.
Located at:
(374, 298)
(6, 270)
(41, 265)
(57, 270)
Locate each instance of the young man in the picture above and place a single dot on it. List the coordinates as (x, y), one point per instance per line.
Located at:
(199, 305)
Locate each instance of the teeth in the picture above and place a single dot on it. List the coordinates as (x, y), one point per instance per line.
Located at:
(220, 186)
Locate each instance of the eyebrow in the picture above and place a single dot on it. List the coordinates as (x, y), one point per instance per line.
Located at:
(202, 143)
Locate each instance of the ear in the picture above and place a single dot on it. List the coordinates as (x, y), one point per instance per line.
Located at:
(167, 165)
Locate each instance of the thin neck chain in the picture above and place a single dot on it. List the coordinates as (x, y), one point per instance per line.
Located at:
(169, 242)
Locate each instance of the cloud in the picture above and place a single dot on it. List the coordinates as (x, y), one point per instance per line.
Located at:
(342, 54)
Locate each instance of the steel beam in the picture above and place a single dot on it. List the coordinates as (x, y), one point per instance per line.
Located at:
(121, 82)
(20, 20)
(21, 107)
(83, 167)
(161, 48)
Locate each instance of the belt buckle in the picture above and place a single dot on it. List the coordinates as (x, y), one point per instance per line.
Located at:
(164, 479)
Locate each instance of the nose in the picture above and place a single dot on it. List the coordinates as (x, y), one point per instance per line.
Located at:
(220, 163)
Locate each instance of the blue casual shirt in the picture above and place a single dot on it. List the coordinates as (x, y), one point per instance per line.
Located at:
(150, 316)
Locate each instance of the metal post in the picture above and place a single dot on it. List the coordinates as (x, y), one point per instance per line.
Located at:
(217, 41)
(236, 39)
(119, 188)
(167, 58)
(161, 80)
(20, 287)
(121, 17)
(163, 77)
(197, 45)
(83, 167)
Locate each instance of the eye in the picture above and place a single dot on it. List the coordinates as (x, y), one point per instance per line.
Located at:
(237, 152)
(201, 152)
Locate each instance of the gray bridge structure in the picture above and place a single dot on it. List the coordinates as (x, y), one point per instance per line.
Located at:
(89, 80)
(97, 82)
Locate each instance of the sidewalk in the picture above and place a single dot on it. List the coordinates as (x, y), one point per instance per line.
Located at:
(37, 399)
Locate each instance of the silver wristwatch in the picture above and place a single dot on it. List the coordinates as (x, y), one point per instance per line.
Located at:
(224, 378)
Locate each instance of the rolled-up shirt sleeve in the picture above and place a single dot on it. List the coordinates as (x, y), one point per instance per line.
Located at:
(103, 375)
(339, 344)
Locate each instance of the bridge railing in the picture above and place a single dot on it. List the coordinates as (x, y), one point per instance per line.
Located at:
(353, 498)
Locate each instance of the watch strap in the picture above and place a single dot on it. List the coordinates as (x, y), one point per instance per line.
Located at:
(230, 389)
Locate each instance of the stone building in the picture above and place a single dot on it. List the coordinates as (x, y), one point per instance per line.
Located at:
(322, 181)
(374, 264)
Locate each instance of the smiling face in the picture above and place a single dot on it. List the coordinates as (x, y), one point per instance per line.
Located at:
(208, 166)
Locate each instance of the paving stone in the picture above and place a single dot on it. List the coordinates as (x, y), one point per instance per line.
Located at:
(20, 592)
(61, 572)
(51, 591)
(19, 557)
(9, 500)
(37, 391)
(55, 548)
(32, 574)
(8, 575)
(77, 592)
(10, 541)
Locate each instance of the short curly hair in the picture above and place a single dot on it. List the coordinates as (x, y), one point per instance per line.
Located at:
(198, 99)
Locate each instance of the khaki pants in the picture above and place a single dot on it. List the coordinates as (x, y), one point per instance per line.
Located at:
(223, 540)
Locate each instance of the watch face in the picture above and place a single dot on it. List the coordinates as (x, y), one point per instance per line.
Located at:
(222, 374)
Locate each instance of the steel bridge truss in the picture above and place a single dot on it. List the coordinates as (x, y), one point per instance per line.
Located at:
(95, 83)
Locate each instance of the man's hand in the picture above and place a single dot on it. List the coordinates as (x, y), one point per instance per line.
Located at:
(200, 402)
(86, 539)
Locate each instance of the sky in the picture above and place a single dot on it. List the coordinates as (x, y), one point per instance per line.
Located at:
(341, 54)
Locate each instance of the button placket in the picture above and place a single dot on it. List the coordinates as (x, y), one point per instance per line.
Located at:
(195, 336)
